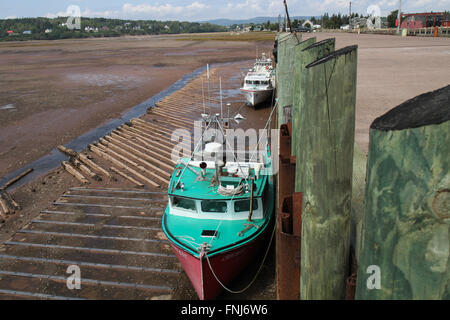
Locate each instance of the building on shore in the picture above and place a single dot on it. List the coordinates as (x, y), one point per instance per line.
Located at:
(425, 20)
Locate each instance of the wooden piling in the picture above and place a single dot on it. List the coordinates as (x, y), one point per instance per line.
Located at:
(67, 151)
(305, 53)
(68, 167)
(15, 179)
(324, 172)
(4, 207)
(284, 70)
(406, 224)
(9, 200)
(93, 165)
(78, 164)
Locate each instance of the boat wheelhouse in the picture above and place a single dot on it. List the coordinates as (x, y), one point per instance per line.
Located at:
(262, 65)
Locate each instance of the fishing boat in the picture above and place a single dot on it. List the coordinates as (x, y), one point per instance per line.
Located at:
(220, 212)
(259, 83)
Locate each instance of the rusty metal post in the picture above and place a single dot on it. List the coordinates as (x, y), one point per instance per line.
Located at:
(289, 222)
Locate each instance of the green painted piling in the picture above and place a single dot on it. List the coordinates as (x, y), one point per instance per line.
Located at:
(358, 197)
(305, 53)
(405, 246)
(286, 44)
(324, 172)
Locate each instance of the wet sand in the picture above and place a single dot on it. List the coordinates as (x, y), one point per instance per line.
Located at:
(53, 91)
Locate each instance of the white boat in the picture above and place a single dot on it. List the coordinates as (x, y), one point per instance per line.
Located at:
(259, 82)
(257, 87)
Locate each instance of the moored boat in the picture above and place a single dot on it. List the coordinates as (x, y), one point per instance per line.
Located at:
(219, 215)
(257, 88)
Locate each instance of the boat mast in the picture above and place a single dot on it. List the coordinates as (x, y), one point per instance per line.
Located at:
(209, 92)
(220, 88)
(203, 97)
(250, 213)
(287, 17)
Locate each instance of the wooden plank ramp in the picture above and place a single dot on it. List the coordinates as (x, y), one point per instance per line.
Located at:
(115, 238)
(110, 229)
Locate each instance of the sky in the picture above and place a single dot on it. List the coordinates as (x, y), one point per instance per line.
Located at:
(200, 10)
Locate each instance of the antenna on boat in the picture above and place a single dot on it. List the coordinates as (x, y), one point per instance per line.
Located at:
(228, 119)
(203, 97)
(209, 93)
(221, 104)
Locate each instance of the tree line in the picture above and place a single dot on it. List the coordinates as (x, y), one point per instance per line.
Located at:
(56, 28)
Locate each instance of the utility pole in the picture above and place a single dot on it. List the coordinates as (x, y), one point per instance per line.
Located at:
(350, 16)
(399, 15)
(287, 16)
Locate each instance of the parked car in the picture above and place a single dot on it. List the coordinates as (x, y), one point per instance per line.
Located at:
(303, 29)
(345, 27)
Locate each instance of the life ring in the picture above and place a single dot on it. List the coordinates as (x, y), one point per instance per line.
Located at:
(267, 67)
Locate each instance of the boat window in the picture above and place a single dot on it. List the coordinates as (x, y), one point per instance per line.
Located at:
(249, 82)
(257, 82)
(214, 206)
(244, 205)
(183, 203)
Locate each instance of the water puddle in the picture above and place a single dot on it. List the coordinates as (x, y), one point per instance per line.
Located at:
(9, 107)
(102, 80)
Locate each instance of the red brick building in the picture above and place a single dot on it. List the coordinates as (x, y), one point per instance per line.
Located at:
(424, 20)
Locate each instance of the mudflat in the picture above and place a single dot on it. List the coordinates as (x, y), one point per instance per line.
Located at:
(53, 91)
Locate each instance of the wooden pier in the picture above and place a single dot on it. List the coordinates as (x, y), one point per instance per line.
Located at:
(339, 236)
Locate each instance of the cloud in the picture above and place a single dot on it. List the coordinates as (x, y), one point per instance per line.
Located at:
(105, 14)
(252, 8)
(163, 11)
(197, 10)
(55, 15)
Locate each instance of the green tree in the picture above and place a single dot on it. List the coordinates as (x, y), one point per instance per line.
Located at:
(391, 18)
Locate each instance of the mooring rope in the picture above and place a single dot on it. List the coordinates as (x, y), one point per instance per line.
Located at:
(257, 273)
(271, 238)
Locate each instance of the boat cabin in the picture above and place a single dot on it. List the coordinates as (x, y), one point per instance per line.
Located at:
(253, 80)
(199, 195)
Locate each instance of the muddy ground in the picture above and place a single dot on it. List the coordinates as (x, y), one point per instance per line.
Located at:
(53, 91)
